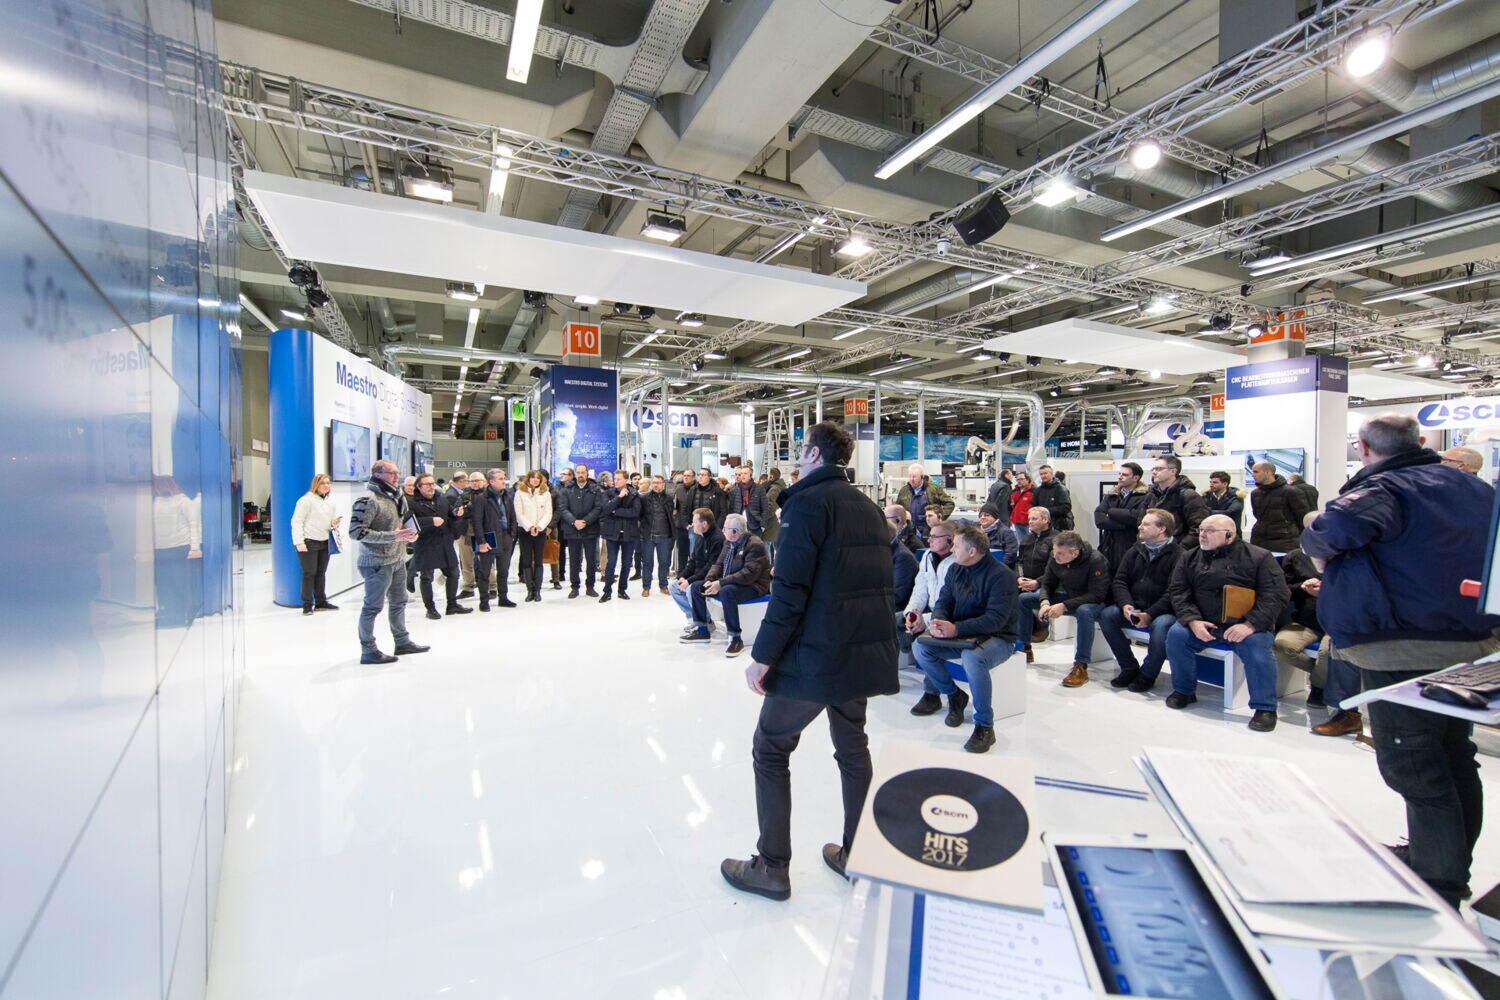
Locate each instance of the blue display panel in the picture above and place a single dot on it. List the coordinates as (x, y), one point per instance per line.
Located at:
(396, 448)
(349, 452)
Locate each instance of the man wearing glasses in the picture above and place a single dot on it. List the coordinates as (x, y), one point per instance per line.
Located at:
(1226, 591)
(379, 523)
(1171, 493)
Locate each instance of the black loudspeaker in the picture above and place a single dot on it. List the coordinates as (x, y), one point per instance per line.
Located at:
(982, 223)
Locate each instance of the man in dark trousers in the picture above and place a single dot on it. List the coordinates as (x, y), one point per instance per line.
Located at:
(439, 523)
(1278, 508)
(682, 517)
(828, 642)
(706, 552)
(621, 526)
(494, 514)
(1394, 546)
(1119, 514)
(582, 506)
(748, 497)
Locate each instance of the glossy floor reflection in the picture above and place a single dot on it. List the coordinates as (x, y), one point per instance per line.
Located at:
(537, 808)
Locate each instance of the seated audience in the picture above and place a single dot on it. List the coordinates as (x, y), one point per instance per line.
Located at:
(1141, 601)
(978, 602)
(1076, 583)
(998, 534)
(903, 562)
(1198, 590)
(741, 573)
(1465, 459)
(932, 571)
(706, 551)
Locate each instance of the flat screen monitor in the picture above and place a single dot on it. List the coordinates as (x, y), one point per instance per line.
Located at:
(395, 448)
(421, 458)
(349, 453)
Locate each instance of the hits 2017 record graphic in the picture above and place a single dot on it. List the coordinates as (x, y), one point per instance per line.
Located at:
(949, 819)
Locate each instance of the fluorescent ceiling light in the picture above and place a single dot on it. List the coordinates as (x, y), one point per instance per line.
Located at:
(985, 173)
(586, 300)
(804, 352)
(1366, 53)
(903, 363)
(1040, 58)
(499, 174)
(1416, 291)
(209, 303)
(1145, 154)
(1394, 126)
(666, 228)
(714, 356)
(463, 291)
(854, 246)
(523, 39)
(1433, 228)
(1159, 306)
(690, 319)
(1274, 257)
(850, 332)
(970, 347)
(1118, 311)
(1056, 191)
(429, 181)
(296, 314)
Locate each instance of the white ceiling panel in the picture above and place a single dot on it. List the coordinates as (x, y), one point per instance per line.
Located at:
(318, 222)
(1372, 383)
(1096, 343)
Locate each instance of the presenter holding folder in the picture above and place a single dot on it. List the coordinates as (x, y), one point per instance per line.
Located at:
(315, 524)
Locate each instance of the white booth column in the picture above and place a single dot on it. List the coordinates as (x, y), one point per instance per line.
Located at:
(1274, 409)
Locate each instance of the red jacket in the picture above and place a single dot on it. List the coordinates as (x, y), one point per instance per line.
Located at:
(1020, 505)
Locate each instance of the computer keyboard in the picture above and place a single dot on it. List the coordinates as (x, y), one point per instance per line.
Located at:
(1481, 677)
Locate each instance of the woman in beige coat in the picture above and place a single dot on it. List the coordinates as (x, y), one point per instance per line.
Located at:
(534, 517)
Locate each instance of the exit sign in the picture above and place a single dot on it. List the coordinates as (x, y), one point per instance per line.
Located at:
(581, 339)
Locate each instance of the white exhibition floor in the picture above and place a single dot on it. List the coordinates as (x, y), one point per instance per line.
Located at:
(538, 807)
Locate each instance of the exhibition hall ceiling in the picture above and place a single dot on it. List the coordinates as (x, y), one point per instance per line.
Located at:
(754, 132)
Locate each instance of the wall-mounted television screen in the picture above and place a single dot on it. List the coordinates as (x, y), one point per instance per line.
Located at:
(421, 457)
(395, 448)
(349, 453)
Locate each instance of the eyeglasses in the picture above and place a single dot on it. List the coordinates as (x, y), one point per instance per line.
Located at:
(940, 538)
(1213, 531)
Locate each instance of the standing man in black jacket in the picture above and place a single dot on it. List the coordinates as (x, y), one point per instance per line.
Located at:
(828, 642)
(438, 523)
(1222, 498)
(1278, 508)
(1000, 497)
(1119, 514)
(1049, 492)
(657, 533)
(707, 493)
(1171, 493)
(494, 513)
(457, 495)
(621, 527)
(1141, 600)
(582, 506)
(748, 497)
(682, 517)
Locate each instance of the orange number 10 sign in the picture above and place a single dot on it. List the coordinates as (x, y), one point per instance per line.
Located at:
(581, 338)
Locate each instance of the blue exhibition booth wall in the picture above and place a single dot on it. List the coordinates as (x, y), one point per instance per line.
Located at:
(320, 392)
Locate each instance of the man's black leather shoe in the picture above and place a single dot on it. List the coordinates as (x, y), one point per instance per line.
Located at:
(411, 647)
(928, 704)
(1177, 700)
(377, 657)
(1263, 721)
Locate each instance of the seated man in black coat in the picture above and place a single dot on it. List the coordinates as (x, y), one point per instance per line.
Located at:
(706, 552)
(1076, 583)
(978, 602)
(1141, 601)
(741, 573)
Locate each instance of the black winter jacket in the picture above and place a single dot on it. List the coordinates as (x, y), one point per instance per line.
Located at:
(682, 506)
(829, 634)
(1054, 496)
(1003, 540)
(581, 503)
(486, 514)
(434, 546)
(621, 520)
(1000, 497)
(1298, 568)
(1117, 517)
(1279, 510)
(656, 514)
(1085, 580)
(1036, 552)
(1143, 582)
(904, 566)
(710, 496)
(980, 600)
(754, 506)
(1231, 505)
(1198, 583)
(747, 564)
(705, 554)
(1183, 503)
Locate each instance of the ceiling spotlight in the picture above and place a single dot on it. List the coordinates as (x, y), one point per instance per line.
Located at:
(1220, 322)
(1003, 356)
(586, 300)
(536, 301)
(1447, 365)
(463, 291)
(302, 275)
(1153, 373)
(1056, 191)
(645, 313)
(427, 180)
(1366, 52)
(855, 246)
(1426, 360)
(691, 319)
(1033, 360)
(1053, 393)
(1159, 306)
(1145, 154)
(621, 308)
(1255, 329)
(697, 365)
(317, 298)
(1486, 381)
(1204, 379)
(666, 228)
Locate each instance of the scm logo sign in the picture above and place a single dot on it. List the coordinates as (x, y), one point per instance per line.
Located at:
(1438, 414)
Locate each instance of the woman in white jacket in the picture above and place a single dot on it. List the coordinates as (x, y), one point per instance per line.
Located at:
(313, 519)
(534, 516)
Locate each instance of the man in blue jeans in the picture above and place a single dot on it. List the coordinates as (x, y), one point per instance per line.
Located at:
(742, 573)
(1141, 600)
(978, 602)
(1224, 566)
(1076, 583)
(379, 522)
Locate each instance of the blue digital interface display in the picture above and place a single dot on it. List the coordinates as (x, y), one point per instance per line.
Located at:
(1154, 928)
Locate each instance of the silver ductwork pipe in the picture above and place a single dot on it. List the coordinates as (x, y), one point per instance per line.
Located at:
(1035, 450)
(388, 318)
(1113, 417)
(1382, 155)
(1403, 89)
(1168, 177)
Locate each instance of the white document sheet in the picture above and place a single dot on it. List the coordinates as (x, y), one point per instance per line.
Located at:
(971, 951)
(1274, 838)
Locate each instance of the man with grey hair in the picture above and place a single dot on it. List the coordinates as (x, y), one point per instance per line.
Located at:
(742, 573)
(1403, 533)
(382, 524)
(1465, 459)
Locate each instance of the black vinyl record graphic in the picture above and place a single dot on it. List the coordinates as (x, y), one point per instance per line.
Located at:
(951, 820)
